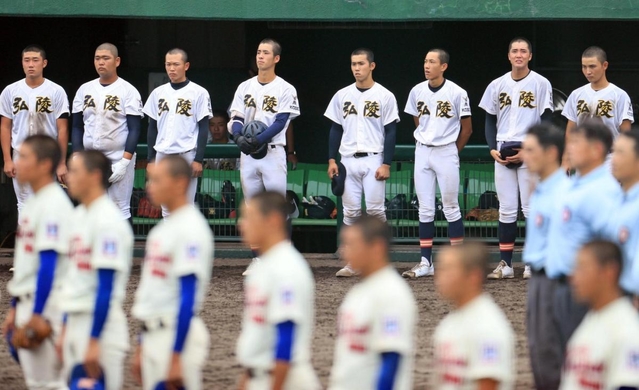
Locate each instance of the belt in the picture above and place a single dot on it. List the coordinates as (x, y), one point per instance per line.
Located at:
(434, 146)
(257, 372)
(156, 324)
(25, 297)
(364, 154)
(274, 146)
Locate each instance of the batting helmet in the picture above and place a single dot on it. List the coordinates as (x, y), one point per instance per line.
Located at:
(250, 131)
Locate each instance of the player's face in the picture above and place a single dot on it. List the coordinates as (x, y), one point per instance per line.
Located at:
(77, 177)
(218, 130)
(252, 224)
(160, 186)
(624, 160)
(33, 64)
(264, 58)
(361, 68)
(176, 67)
(586, 276)
(592, 69)
(433, 68)
(353, 248)
(519, 55)
(28, 168)
(533, 154)
(450, 275)
(106, 63)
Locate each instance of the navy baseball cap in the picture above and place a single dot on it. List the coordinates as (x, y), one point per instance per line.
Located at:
(337, 183)
(12, 350)
(79, 380)
(162, 386)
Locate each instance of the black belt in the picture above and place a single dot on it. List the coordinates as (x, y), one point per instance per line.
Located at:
(364, 154)
(274, 146)
(145, 329)
(253, 373)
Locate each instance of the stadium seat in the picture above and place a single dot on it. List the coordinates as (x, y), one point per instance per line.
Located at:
(295, 182)
(318, 184)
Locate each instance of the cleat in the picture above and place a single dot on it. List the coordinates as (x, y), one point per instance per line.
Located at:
(346, 272)
(248, 269)
(527, 272)
(503, 271)
(425, 268)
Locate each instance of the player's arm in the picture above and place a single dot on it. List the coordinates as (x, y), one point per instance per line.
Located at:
(5, 141)
(490, 129)
(134, 124)
(626, 125)
(77, 132)
(274, 129)
(416, 121)
(291, 155)
(546, 116)
(390, 138)
(283, 353)
(334, 141)
(464, 133)
(44, 279)
(388, 370)
(100, 314)
(188, 287)
(202, 136)
(62, 123)
(151, 138)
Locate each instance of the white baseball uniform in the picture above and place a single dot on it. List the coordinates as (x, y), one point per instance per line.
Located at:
(32, 111)
(99, 239)
(177, 113)
(44, 225)
(472, 343)
(278, 289)
(518, 105)
(255, 101)
(378, 315)
(363, 115)
(180, 245)
(436, 156)
(603, 353)
(612, 104)
(104, 110)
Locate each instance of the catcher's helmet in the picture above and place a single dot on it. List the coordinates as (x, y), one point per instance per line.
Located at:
(251, 130)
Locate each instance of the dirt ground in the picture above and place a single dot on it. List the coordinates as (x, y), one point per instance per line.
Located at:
(223, 309)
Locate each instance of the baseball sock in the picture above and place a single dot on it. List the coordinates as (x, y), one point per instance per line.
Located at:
(426, 234)
(456, 232)
(507, 234)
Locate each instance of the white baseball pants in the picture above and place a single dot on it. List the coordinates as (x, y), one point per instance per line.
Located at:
(360, 179)
(120, 192)
(23, 191)
(437, 165)
(267, 174)
(190, 194)
(512, 185)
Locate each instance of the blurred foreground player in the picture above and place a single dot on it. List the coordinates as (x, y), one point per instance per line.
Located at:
(375, 347)
(474, 343)
(279, 304)
(174, 342)
(603, 353)
(96, 333)
(40, 257)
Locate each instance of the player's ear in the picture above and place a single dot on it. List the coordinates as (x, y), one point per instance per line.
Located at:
(117, 61)
(605, 65)
(276, 59)
(373, 65)
(444, 67)
(187, 65)
(45, 62)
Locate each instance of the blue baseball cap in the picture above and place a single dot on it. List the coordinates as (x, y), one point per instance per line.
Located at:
(162, 386)
(79, 380)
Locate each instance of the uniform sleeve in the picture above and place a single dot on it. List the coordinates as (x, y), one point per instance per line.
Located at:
(78, 101)
(203, 105)
(237, 106)
(190, 255)
(392, 329)
(286, 302)
(5, 104)
(489, 101)
(390, 111)
(52, 231)
(112, 248)
(150, 107)
(334, 111)
(623, 369)
(491, 357)
(411, 103)
(624, 107)
(133, 104)
(464, 105)
(546, 96)
(288, 103)
(570, 108)
(61, 104)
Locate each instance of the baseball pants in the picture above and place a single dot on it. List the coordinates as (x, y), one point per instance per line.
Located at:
(23, 191)
(190, 194)
(266, 174)
(512, 185)
(360, 179)
(567, 313)
(157, 348)
(546, 356)
(437, 165)
(299, 377)
(114, 344)
(120, 192)
(41, 367)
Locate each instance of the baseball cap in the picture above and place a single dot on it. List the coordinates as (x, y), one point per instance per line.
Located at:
(79, 380)
(337, 182)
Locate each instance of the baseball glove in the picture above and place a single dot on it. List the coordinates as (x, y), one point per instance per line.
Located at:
(32, 334)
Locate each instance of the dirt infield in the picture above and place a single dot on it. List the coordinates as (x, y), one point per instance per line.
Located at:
(223, 309)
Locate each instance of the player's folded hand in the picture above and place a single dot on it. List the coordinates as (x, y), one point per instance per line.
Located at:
(497, 156)
(382, 172)
(119, 170)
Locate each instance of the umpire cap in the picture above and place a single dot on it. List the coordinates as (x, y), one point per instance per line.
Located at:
(79, 380)
(251, 130)
(337, 182)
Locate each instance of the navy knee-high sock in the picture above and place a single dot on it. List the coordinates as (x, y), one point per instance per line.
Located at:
(456, 232)
(507, 235)
(426, 234)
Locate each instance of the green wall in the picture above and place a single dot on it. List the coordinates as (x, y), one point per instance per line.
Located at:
(333, 10)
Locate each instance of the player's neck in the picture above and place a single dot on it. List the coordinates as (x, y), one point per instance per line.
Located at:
(34, 82)
(436, 83)
(519, 73)
(266, 76)
(109, 80)
(95, 193)
(365, 84)
(272, 240)
(466, 298)
(600, 84)
(39, 184)
(604, 298)
(374, 266)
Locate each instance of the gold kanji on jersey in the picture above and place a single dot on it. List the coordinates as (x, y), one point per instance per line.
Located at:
(604, 108)
(582, 107)
(371, 109)
(163, 106)
(183, 107)
(111, 103)
(43, 104)
(349, 109)
(504, 100)
(88, 102)
(19, 104)
(526, 99)
(249, 101)
(422, 109)
(269, 104)
(443, 109)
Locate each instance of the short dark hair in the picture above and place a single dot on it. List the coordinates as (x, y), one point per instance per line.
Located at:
(94, 160)
(595, 130)
(372, 229)
(370, 56)
(549, 136)
(221, 113)
(271, 202)
(633, 134)
(110, 47)
(36, 49)
(179, 168)
(444, 57)
(182, 52)
(606, 252)
(45, 148)
(596, 52)
(520, 39)
(277, 48)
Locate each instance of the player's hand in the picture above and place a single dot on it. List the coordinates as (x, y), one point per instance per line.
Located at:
(61, 173)
(136, 365)
(332, 168)
(92, 359)
(292, 158)
(174, 378)
(9, 323)
(119, 170)
(59, 343)
(9, 168)
(196, 167)
(497, 156)
(516, 159)
(382, 173)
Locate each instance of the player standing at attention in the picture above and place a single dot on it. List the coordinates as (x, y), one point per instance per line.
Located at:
(179, 113)
(33, 105)
(582, 215)
(107, 113)
(271, 100)
(474, 343)
(363, 131)
(513, 103)
(441, 112)
(96, 333)
(279, 303)
(40, 258)
(542, 151)
(598, 98)
(375, 347)
(603, 353)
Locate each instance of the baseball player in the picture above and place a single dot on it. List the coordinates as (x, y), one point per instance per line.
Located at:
(279, 304)
(364, 119)
(441, 112)
(542, 151)
(513, 102)
(179, 113)
(33, 105)
(375, 346)
(474, 343)
(107, 112)
(603, 353)
(174, 342)
(599, 97)
(583, 214)
(96, 333)
(40, 259)
(269, 99)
